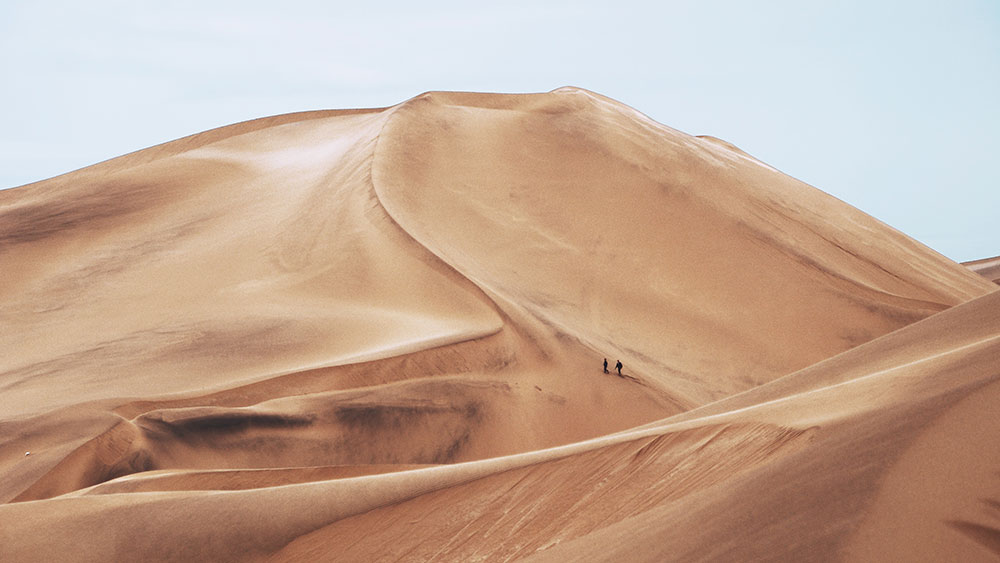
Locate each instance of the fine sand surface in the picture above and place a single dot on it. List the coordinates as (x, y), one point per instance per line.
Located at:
(378, 335)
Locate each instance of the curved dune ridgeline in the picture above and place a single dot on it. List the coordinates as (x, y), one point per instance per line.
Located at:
(378, 334)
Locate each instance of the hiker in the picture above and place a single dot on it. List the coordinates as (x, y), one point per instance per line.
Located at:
(619, 367)
(605, 365)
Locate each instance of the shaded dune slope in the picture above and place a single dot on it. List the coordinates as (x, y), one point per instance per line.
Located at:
(316, 325)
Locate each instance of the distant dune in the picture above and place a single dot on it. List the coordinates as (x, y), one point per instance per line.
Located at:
(989, 268)
(379, 335)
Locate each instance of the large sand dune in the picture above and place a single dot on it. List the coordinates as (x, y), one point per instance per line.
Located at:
(378, 335)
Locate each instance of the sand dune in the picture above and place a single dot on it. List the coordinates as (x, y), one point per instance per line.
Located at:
(378, 334)
(989, 268)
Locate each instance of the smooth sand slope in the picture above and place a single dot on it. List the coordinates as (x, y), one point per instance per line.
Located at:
(377, 334)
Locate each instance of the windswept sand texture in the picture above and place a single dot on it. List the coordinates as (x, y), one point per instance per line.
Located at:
(378, 334)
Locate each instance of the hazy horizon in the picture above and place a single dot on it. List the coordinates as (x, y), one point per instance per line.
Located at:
(889, 107)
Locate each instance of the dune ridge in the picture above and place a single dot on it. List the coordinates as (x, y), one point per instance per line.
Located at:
(378, 333)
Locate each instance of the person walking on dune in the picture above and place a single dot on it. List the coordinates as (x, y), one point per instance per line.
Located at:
(619, 366)
(605, 365)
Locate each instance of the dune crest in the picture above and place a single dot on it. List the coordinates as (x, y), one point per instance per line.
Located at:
(379, 333)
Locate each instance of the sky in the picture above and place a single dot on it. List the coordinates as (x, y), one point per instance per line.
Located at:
(891, 106)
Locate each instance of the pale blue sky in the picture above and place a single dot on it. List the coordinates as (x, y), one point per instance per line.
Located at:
(890, 106)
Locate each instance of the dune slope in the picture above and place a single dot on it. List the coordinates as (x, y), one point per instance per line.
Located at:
(379, 333)
(681, 255)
